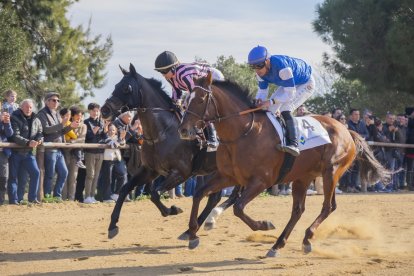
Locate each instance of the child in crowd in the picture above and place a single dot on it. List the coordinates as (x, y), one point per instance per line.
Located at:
(113, 166)
(71, 137)
(9, 104)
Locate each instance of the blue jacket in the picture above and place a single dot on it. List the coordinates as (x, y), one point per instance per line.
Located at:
(300, 72)
(6, 131)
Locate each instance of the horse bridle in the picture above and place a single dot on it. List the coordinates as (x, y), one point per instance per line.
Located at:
(203, 118)
(114, 101)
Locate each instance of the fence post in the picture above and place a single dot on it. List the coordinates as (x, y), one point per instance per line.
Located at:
(40, 158)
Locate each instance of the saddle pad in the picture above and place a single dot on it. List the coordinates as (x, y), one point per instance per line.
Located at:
(310, 132)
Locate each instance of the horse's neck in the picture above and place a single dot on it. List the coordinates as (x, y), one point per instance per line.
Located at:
(156, 119)
(234, 126)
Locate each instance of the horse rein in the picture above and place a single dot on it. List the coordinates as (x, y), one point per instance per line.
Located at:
(218, 118)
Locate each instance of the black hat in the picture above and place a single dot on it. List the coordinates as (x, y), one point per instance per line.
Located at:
(165, 60)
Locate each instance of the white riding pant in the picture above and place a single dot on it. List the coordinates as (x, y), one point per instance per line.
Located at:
(290, 99)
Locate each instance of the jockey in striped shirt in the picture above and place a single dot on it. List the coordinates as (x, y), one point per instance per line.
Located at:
(180, 76)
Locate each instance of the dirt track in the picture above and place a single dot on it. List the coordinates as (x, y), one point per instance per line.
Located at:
(366, 235)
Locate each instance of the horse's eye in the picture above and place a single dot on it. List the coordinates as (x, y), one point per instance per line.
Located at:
(128, 89)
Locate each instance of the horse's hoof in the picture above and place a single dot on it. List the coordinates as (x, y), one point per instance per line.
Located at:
(175, 210)
(113, 232)
(184, 236)
(209, 226)
(269, 225)
(307, 248)
(193, 243)
(272, 253)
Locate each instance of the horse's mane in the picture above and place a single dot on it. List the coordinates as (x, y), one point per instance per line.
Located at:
(238, 91)
(157, 85)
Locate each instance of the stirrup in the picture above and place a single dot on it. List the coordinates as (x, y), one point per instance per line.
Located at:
(292, 150)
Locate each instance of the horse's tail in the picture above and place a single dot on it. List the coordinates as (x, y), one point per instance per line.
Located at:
(370, 170)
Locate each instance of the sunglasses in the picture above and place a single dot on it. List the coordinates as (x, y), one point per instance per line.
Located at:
(165, 71)
(258, 66)
(54, 100)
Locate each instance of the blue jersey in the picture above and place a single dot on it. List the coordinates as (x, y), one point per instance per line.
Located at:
(285, 71)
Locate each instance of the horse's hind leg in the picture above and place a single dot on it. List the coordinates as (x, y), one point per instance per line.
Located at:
(330, 178)
(142, 177)
(249, 193)
(298, 207)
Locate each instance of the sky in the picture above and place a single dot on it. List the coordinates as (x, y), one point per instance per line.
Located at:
(142, 29)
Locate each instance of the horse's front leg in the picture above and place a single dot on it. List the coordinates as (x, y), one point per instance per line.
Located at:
(213, 200)
(143, 176)
(212, 185)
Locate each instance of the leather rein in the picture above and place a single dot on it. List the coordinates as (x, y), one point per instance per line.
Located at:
(218, 118)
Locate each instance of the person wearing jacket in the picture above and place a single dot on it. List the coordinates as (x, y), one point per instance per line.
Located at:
(27, 131)
(96, 131)
(54, 128)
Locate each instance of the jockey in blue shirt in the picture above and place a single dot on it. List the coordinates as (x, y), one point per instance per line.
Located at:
(295, 84)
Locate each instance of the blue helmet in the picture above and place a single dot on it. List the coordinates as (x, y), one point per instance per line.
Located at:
(257, 55)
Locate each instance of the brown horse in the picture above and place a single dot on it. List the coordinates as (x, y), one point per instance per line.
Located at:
(249, 156)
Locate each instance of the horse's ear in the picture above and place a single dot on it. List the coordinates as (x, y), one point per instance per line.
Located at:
(132, 69)
(209, 78)
(125, 72)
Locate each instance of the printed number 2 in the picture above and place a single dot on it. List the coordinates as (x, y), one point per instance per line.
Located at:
(306, 125)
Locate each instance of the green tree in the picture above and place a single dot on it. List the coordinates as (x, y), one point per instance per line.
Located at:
(343, 94)
(69, 60)
(372, 41)
(239, 73)
(13, 50)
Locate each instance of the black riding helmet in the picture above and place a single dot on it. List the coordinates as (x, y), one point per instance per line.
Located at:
(165, 61)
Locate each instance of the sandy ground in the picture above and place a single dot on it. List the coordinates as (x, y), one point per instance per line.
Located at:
(366, 235)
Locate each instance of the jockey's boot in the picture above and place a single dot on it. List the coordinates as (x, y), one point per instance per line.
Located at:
(291, 137)
(212, 142)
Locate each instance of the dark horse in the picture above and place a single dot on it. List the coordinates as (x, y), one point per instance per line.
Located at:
(248, 155)
(163, 152)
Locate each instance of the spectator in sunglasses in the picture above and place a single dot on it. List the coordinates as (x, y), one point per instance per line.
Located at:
(180, 76)
(295, 84)
(54, 128)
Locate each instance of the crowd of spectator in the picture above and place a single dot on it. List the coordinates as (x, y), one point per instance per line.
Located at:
(97, 174)
(394, 128)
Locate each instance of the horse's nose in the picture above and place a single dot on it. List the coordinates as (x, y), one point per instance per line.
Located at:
(183, 133)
